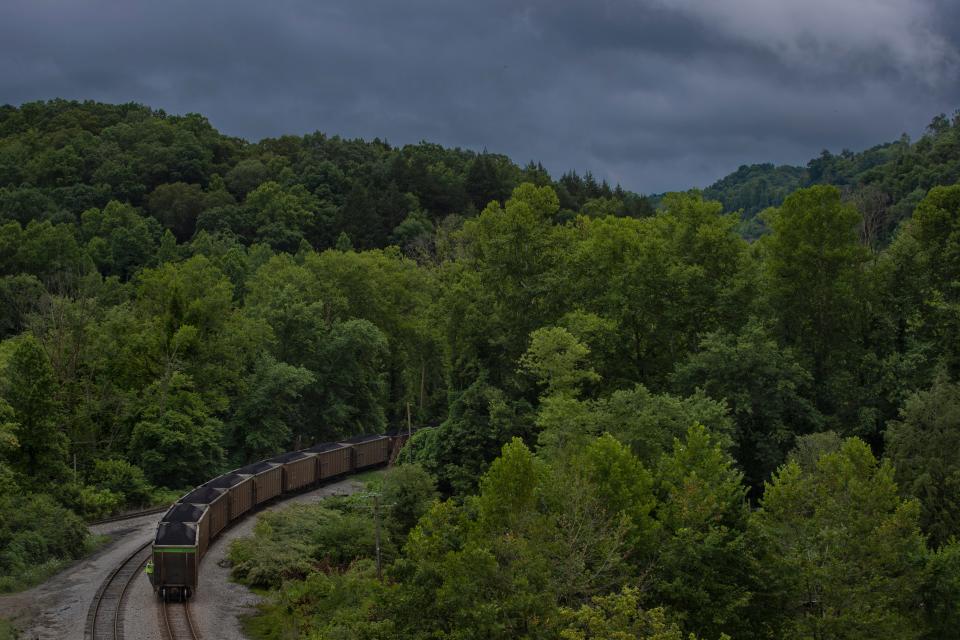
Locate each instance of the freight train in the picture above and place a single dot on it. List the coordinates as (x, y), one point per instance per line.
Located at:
(186, 530)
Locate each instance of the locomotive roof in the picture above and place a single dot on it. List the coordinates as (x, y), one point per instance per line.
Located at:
(290, 455)
(202, 495)
(326, 446)
(359, 439)
(228, 480)
(176, 533)
(184, 512)
(257, 467)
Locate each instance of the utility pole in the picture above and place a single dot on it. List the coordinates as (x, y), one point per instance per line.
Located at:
(376, 519)
(409, 422)
(377, 526)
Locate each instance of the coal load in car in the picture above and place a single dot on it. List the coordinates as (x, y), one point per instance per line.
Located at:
(217, 502)
(240, 489)
(192, 513)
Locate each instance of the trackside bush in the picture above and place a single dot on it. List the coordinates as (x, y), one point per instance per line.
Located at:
(36, 532)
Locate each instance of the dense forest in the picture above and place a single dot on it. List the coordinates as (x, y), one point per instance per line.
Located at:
(885, 183)
(650, 419)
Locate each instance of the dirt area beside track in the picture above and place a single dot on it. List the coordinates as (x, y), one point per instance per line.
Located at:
(57, 608)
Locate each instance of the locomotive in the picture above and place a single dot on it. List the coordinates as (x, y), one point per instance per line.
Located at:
(186, 530)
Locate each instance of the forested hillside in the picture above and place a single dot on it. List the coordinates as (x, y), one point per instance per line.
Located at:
(59, 159)
(885, 183)
(645, 424)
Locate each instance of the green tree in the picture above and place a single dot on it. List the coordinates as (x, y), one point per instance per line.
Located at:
(414, 234)
(556, 360)
(704, 568)
(280, 214)
(408, 491)
(649, 423)
(456, 582)
(941, 593)
(661, 280)
(767, 391)
(624, 491)
(815, 287)
(268, 404)
(29, 387)
(177, 206)
(924, 447)
(20, 296)
(119, 240)
(247, 175)
(488, 180)
(35, 531)
(513, 252)
(124, 479)
(350, 392)
(509, 490)
(175, 440)
(937, 231)
(308, 313)
(184, 319)
(618, 616)
(343, 242)
(811, 447)
(843, 552)
(482, 418)
(395, 294)
(8, 449)
(48, 251)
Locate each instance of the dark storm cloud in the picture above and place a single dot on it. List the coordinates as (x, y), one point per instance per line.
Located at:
(654, 94)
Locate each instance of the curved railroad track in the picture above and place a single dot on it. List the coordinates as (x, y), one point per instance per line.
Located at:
(177, 621)
(104, 618)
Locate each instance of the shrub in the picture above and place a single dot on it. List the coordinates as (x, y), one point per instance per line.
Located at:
(124, 479)
(36, 534)
(294, 542)
(90, 502)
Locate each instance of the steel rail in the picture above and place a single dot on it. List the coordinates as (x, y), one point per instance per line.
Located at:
(103, 616)
(180, 625)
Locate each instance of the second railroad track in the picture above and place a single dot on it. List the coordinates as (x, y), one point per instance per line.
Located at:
(105, 616)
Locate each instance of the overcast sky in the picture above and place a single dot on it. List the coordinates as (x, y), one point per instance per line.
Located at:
(653, 94)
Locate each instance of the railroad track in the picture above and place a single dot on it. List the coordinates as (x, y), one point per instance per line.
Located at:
(130, 515)
(176, 618)
(104, 618)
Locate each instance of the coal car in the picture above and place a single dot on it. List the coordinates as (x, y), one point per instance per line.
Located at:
(298, 469)
(333, 459)
(368, 451)
(177, 552)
